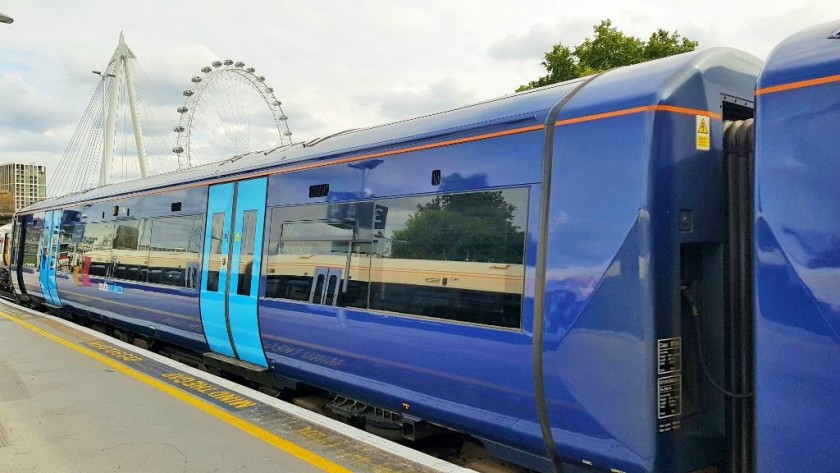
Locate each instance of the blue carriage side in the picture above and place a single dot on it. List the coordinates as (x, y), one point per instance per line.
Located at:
(797, 236)
(398, 265)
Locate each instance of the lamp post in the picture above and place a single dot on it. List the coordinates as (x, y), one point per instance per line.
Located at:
(5, 18)
(102, 77)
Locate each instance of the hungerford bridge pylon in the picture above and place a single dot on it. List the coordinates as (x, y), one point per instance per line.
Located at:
(229, 111)
(121, 110)
(120, 73)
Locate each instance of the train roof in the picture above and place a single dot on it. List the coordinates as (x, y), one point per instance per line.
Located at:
(809, 55)
(663, 81)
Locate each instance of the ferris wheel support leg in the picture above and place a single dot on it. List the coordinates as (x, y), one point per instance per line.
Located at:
(138, 131)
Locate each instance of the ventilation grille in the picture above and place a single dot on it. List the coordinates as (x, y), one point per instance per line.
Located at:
(321, 190)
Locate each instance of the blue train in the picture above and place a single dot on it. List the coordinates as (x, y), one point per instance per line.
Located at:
(620, 273)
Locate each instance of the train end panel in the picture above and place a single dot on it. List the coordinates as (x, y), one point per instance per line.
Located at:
(797, 236)
(637, 209)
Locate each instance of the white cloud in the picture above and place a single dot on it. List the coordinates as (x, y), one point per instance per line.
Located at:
(539, 39)
(334, 65)
(403, 101)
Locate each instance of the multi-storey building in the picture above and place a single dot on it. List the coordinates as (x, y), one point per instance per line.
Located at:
(26, 182)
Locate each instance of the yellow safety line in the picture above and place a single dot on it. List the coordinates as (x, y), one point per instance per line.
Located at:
(258, 432)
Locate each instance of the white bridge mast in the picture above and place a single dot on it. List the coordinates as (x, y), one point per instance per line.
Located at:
(119, 70)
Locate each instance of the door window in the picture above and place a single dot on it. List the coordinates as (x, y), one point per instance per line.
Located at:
(216, 238)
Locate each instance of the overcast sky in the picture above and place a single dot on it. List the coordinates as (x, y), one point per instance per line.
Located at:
(335, 65)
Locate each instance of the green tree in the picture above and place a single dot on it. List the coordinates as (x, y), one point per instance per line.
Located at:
(475, 227)
(607, 49)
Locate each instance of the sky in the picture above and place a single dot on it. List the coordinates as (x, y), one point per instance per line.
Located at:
(335, 65)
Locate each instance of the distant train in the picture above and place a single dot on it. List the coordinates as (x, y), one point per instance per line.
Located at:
(590, 276)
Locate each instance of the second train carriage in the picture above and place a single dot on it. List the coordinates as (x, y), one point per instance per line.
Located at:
(402, 266)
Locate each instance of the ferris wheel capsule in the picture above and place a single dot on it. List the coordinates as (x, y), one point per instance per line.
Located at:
(239, 64)
(196, 79)
(217, 64)
(178, 129)
(188, 93)
(206, 69)
(251, 70)
(228, 62)
(182, 109)
(178, 150)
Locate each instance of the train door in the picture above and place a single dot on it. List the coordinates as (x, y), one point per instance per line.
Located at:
(50, 241)
(233, 244)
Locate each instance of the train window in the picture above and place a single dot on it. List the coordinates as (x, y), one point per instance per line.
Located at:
(89, 248)
(246, 252)
(453, 256)
(131, 249)
(174, 251)
(216, 236)
(70, 236)
(325, 258)
(456, 256)
(31, 243)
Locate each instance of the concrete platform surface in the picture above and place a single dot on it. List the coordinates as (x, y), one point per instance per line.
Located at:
(72, 400)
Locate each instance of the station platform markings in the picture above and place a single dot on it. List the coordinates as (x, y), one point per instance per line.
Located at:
(323, 443)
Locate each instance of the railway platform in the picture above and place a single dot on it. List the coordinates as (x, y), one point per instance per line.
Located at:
(74, 400)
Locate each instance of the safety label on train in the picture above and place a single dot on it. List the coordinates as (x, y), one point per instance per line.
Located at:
(669, 355)
(669, 395)
(704, 136)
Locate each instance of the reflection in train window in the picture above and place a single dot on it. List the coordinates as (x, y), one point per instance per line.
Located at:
(174, 251)
(451, 256)
(131, 249)
(31, 243)
(216, 237)
(92, 249)
(246, 252)
(322, 261)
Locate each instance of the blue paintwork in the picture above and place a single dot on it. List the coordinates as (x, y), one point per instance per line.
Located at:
(612, 281)
(244, 326)
(797, 237)
(214, 303)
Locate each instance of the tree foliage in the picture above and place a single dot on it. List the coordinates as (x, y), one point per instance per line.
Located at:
(607, 49)
(474, 227)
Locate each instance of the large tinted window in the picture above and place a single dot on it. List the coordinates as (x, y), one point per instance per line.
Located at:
(32, 242)
(454, 256)
(131, 249)
(174, 250)
(89, 248)
(319, 254)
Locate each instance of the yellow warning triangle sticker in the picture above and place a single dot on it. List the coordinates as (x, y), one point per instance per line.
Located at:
(703, 128)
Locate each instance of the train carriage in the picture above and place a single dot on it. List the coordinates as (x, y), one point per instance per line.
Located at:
(558, 274)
